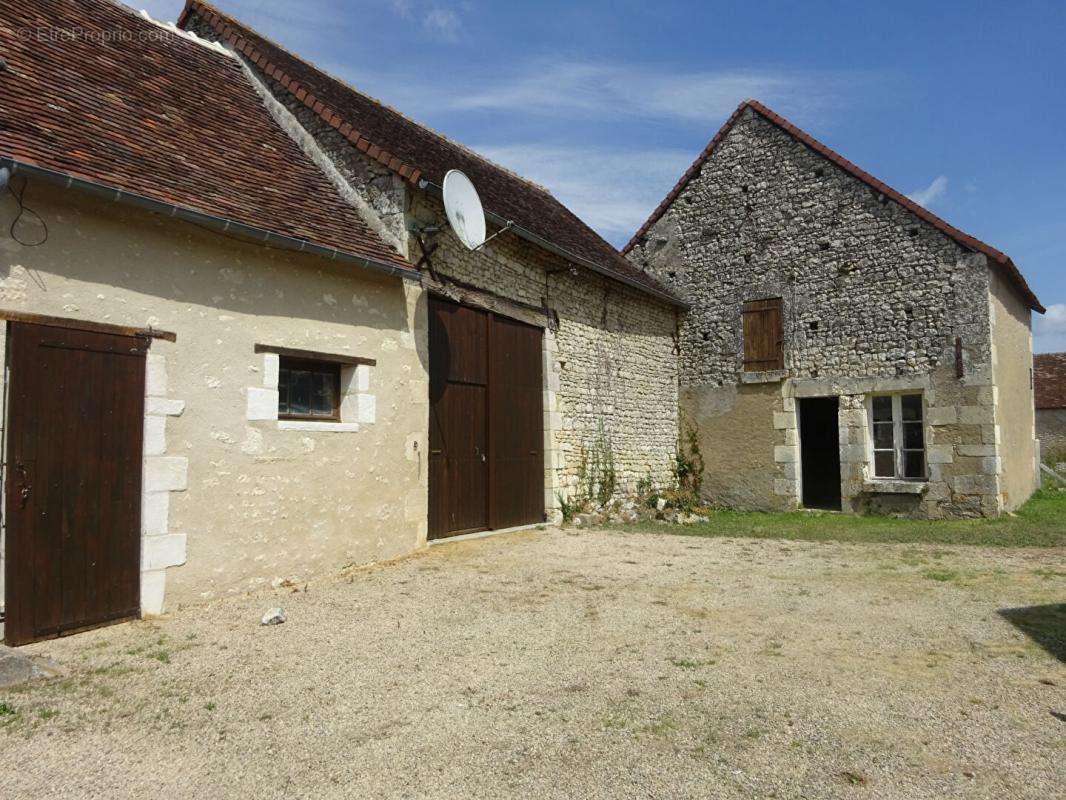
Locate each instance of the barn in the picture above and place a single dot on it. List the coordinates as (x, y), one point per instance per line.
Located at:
(243, 345)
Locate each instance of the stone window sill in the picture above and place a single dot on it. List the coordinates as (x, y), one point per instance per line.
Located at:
(773, 376)
(317, 427)
(886, 486)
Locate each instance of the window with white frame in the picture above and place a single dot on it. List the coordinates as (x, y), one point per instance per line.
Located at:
(897, 429)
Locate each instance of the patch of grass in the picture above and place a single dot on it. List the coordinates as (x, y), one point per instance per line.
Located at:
(618, 719)
(1039, 523)
(7, 710)
(47, 713)
(161, 655)
(941, 575)
(854, 778)
(661, 726)
(689, 663)
(1047, 574)
(210, 706)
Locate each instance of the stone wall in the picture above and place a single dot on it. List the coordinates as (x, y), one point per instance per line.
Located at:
(873, 297)
(610, 352)
(612, 366)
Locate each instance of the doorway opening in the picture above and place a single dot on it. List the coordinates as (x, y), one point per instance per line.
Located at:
(820, 452)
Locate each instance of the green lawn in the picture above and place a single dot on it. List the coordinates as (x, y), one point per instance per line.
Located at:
(1039, 523)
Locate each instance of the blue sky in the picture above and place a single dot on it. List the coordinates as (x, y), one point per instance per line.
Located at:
(961, 105)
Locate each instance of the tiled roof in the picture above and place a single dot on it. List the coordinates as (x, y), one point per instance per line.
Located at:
(964, 239)
(93, 90)
(1049, 378)
(415, 152)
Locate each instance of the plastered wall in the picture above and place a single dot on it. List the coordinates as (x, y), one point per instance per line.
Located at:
(253, 500)
(1012, 367)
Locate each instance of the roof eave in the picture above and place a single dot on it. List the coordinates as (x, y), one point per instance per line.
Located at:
(539, 241)
(223, 225)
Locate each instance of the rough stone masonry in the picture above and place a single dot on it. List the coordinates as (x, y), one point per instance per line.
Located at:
(874, 299)
(610, 362)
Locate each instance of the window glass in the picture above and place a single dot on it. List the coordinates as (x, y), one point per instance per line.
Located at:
(883, 436)
(898, 434)
(882, 409)
(912, 406)
(913, 436)
(885, 464)
(914, 464)
(308, 389)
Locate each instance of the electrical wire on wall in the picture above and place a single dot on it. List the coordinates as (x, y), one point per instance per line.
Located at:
(24, 210)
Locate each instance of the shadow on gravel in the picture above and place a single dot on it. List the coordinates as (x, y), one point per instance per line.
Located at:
(1045, 625)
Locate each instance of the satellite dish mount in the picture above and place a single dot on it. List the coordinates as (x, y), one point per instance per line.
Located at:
(465, 212)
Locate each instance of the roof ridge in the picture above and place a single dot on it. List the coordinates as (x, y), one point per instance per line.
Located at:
(963, 238)
(205, 6)
(539, 216)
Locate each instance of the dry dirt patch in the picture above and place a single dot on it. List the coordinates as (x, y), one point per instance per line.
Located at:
(559, 664)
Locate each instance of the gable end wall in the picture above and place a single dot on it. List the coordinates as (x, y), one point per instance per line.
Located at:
(873, 299)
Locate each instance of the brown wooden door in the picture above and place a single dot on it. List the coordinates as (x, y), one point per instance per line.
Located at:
(458, 419)
(486, 459)
(73, 480)
(516, 425)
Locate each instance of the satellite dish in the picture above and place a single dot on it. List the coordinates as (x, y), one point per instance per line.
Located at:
(463, 207)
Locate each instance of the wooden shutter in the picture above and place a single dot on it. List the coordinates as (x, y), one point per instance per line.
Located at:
(763, 339)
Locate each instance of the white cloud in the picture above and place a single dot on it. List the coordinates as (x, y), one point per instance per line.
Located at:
(444, 22)
(1049, 330)
(612, 90)
(612, 190)
(931, 193)
(435, 18)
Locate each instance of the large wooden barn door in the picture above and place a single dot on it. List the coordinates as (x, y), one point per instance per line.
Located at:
(516, 425)
(458, 423)
(486, 459)
(73, 480)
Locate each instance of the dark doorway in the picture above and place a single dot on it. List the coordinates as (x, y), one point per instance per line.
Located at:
(73, 480)
(486, 427)
(820, 452)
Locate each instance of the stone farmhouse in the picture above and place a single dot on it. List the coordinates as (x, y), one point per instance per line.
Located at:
(846, 348)
(243, 344)
(1049, 377)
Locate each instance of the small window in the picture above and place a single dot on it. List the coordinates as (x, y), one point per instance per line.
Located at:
(309, 390)
(763, 340)
(898, 433)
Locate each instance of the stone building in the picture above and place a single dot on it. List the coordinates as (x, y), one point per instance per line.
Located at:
(233, 308)
(846, 348)
(1049, 378)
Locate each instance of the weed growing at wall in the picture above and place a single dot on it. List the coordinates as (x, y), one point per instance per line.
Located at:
(688, 472)
(596, 475)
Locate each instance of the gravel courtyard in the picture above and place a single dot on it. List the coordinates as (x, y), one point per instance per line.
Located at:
(576, 664)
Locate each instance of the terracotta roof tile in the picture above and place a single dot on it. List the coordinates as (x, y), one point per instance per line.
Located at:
(1049, 379)
(406, 146)
(967, 241)
(156, 114)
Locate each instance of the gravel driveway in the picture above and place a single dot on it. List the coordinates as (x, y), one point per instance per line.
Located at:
(563, 664)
